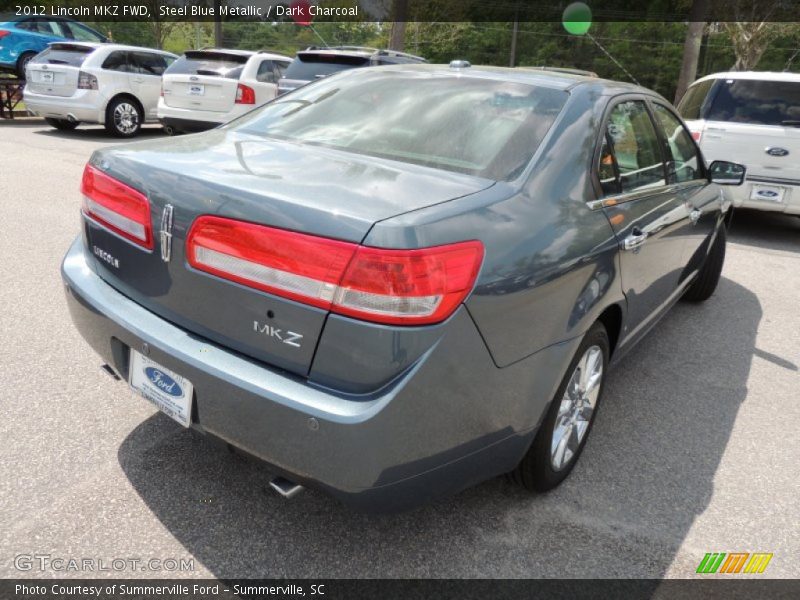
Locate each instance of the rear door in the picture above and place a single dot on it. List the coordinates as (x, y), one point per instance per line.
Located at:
(687, 174)
(204, 80)
(145, 79)
(756, 123)
(643, 209)
(54, 72)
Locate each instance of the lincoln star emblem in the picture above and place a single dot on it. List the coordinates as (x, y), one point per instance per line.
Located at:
(166, 233)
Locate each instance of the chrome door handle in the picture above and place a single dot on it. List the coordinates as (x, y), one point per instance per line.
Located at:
(695, 215)
(635, 239)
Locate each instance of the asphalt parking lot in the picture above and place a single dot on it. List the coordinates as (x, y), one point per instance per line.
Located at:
(695, 449)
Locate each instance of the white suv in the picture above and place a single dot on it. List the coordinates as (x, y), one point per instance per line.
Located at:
(82, 82)
(205, 88)
(753, 119)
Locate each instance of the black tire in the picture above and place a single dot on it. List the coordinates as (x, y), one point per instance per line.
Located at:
(22, 62)
(536, 470)
(123, 117)
(62, 124)
(704, 286)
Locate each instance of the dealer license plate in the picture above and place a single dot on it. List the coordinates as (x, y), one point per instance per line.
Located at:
(197, 90)
(170, 392)
(768, 193)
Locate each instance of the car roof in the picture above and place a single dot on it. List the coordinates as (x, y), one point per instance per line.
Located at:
(753, 75)
(226, 51)
(552, 79)
(269, 54)
(105, 46)
(364, 51)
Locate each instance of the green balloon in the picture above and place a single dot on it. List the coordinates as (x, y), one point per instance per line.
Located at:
(577, 18)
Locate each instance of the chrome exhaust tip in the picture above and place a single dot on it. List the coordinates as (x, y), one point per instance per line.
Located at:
(284, 487)
(71, 118)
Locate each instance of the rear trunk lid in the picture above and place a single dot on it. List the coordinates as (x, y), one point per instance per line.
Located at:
(204, 80)
(239, 176)
(55, 71)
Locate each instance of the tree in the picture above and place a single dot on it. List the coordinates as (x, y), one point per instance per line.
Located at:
(691, 47)
(751, 31)
(397, 38)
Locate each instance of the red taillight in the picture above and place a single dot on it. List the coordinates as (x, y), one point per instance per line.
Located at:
(4, 33)
(406, 287)
(245, 94)
(696, 136)
(86, 81)
(117, 206)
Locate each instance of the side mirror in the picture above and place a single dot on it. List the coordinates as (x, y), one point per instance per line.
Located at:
(723, 172)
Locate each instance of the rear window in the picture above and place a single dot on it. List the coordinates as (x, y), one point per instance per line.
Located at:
(691, 105)
(216, 64)
(63, 54)
(475, 126)
(756, 102)
(307, 67)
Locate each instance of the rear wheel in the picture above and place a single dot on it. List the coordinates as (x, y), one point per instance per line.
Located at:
(22, 62)
(123, 117)
(566, 426)
(62, 124)
(703, 287)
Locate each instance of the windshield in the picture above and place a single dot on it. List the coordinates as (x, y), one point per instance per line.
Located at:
(478, 126)
(310, 66)
(214, 64)
(757, 102)
(63, 54)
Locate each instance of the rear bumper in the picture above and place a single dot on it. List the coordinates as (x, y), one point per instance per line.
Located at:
(188, 125)
(451, 420)
(743, 197)
(86, 106)
(198, 116)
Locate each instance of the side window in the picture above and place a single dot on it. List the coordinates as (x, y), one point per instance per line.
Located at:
(79, 32)
(26, 25)
(635, 147)
(280, 67)
(266, 72)
(685, 164)
(691, 105)
(607, 169)
(147, 63)
(48, 28)
(117, 61)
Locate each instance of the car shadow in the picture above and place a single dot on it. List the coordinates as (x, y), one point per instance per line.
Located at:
(99, 134)
(767, 230)
(647, 473)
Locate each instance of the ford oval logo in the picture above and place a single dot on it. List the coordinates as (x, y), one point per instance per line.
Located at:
(163, 382)
(767, 193)
(777, 151)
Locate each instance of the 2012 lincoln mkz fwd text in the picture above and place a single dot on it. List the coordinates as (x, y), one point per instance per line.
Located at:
(394, 283)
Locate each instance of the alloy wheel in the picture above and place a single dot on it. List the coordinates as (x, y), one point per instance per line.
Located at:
(126, 118)
(577, 408)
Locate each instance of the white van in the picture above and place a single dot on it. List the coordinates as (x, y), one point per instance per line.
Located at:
(118, 86)
(754, 119)
(205, 88)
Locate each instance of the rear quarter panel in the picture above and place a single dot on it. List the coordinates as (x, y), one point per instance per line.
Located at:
(550, 266)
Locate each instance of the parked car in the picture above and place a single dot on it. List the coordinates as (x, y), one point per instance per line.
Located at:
(117, 86)
(315, 63)
(23, 38)
(754, 118)
(205, 88)
(395, 283)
